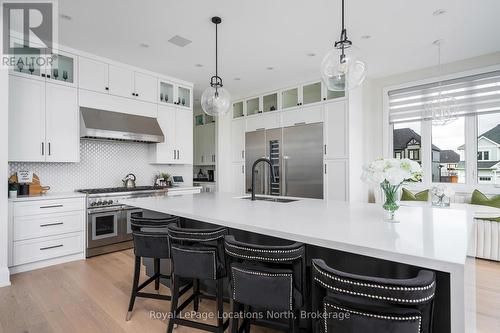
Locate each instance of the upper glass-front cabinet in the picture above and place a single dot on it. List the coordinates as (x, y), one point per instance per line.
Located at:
(166, 92)
(270, 102)
(311, 93)
(238, 110)
(184, 97)
(62, 68)
(334, 94)
(290, 98)
(253, 106)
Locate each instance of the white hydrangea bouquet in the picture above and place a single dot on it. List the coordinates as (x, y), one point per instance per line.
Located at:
(390, 174)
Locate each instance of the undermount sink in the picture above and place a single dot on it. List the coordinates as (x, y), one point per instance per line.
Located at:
(281, 200)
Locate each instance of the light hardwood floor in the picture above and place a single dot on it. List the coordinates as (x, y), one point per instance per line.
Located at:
(92, 296)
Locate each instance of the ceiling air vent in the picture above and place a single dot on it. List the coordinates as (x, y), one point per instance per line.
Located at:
(179, 41)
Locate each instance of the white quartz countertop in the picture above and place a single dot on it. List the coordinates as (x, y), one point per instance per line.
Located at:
(47, 196)
(435, 238)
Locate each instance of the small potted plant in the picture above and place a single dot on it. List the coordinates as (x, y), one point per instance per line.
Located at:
(166, 179)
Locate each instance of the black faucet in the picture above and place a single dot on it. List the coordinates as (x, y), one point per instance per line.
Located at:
(268, 161)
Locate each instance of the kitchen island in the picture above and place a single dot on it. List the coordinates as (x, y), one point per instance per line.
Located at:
(424, 237)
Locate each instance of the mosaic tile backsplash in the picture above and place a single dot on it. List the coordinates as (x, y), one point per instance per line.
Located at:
(102, 164)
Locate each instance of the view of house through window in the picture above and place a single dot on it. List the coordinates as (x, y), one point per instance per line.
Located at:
(448, 164)
(407, 141)
(488, 148)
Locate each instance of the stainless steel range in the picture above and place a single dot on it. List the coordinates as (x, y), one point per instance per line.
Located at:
(108, 220)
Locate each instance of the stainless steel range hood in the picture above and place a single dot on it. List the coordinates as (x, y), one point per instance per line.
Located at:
(108, 125)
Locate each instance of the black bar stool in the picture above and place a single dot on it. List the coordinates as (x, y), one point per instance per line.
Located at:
(150, 241)
(356, 303)
(197, 254)
(266, 278)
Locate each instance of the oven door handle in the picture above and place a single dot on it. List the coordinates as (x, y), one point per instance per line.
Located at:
(103, 210)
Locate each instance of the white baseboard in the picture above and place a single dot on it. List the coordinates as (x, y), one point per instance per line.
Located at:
(46, 263)
(4, 277)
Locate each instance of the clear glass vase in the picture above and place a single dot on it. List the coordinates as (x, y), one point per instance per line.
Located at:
(391, 198)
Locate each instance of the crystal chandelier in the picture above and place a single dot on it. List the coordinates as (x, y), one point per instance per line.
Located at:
(441, 109)
(341, 69)
(215, 100)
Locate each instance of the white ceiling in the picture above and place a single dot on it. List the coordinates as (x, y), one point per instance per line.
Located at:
(258, 34)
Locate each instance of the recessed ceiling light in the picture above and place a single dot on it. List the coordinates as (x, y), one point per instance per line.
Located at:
(65, 17)
(179, 41)
(439, 12)
(311, 54)
(237, 79)
(366, 37)
(198, 65)
(269, 68)
(144, 45)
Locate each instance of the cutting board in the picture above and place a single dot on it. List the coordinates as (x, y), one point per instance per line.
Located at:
(35, 186)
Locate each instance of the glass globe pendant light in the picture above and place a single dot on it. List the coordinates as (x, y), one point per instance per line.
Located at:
(341, 69)
(215, 100)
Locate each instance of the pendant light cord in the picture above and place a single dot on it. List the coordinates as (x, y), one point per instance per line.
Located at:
(216, 53)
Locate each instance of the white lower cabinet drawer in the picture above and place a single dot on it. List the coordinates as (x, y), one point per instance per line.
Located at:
(26, 227)
(37, 207)
(28, 251)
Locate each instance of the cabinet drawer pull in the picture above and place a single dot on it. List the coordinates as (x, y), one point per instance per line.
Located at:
(50, 247)
(242, 154)
(49, 148)
(301, 123)
(43, 152)
(325, 149)
(51, 206)
(51, 224)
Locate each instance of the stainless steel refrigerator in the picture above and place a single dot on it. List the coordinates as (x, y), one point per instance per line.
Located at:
(296, 153)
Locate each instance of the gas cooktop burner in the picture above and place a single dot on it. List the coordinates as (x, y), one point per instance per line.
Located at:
(119, 189)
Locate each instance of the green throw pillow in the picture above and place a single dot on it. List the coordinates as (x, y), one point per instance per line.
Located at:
(478, 198)
(409, 196)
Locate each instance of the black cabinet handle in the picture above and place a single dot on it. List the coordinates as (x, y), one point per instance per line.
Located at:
(51, 224)
(43, 75)
(48, 76)
(324, 98)
(51, 206)
(107, 88)
(51, 247)
(49, 148)
(42, 149)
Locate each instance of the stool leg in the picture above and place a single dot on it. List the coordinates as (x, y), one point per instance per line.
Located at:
(235, 307)
(220, 305)
(157, 273)
(247, 323)
(196, 292)
(135, 284)
(173, 304)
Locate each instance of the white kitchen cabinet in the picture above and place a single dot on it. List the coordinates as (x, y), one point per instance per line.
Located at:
(121, 81)
(238, 178)
(43, 121)
(238, 140)
(26, 119)
(304, 115)
(145, 87)
(336, 130)
(93, 75)
(184, 136)
(336, 179)
(165, 152)
(45, 232)
(263, 121)
(61, 123)
(177, 126)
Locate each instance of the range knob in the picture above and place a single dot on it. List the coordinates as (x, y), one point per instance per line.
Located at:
(92, 204)
(110, 202)
(99, 203)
